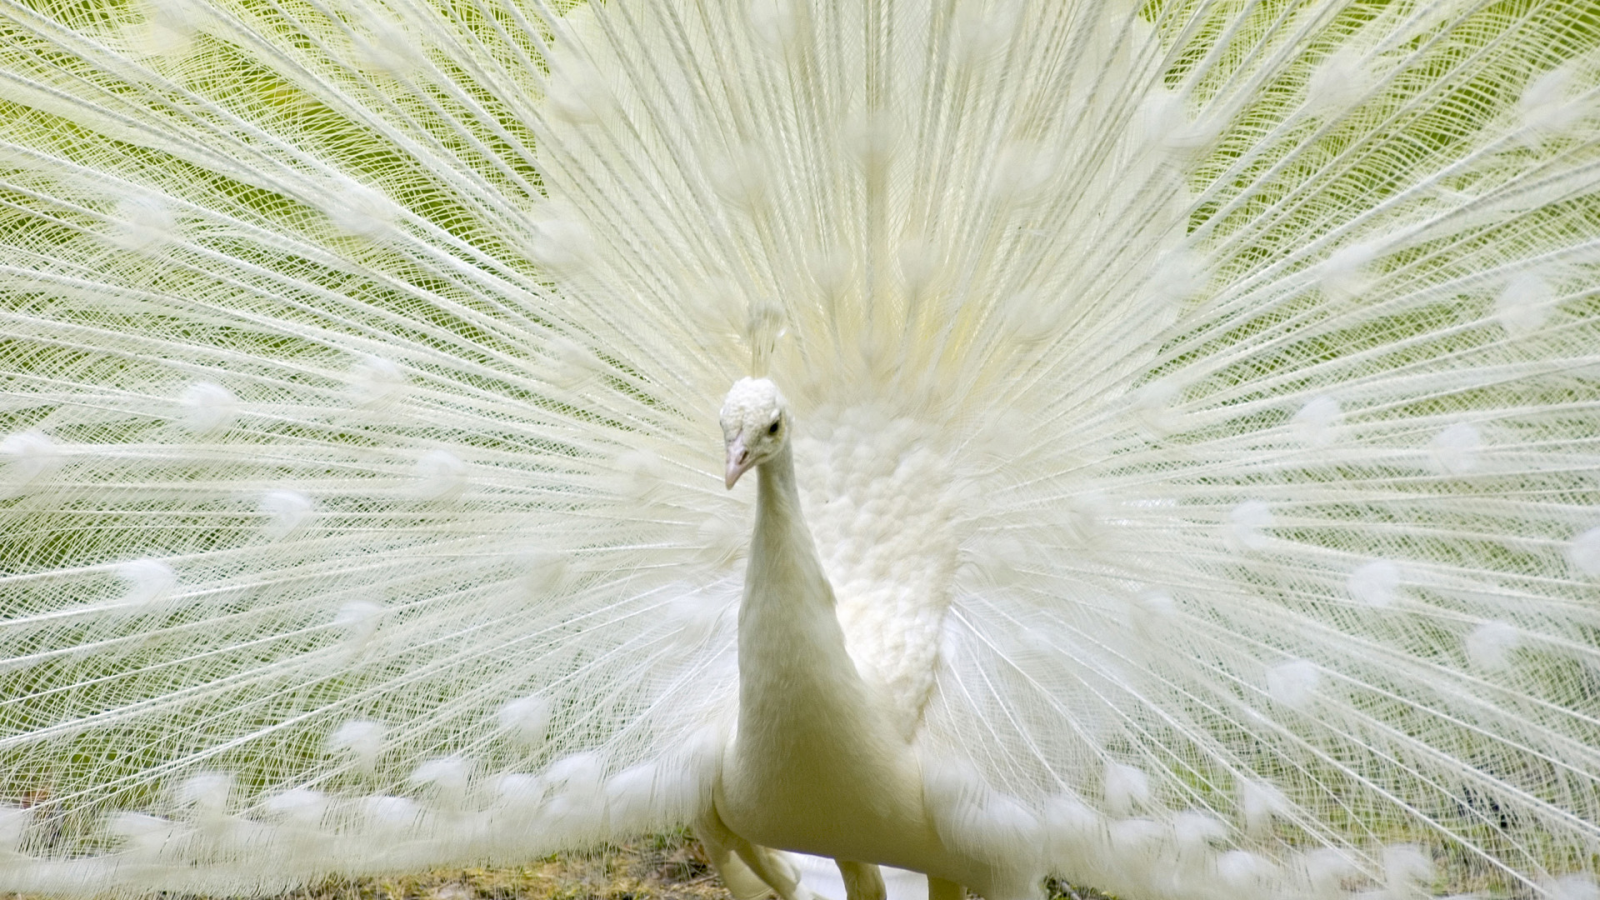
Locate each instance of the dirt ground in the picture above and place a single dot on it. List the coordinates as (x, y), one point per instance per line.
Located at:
(664, 867)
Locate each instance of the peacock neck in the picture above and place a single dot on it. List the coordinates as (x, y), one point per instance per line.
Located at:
(789, 635)
(782, 544)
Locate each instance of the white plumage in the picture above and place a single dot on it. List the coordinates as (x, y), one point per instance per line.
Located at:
(1185, 482)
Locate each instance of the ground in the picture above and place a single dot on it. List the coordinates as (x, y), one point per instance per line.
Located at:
(663, 867)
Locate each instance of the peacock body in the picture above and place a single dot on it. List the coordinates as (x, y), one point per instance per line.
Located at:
(1185, 481)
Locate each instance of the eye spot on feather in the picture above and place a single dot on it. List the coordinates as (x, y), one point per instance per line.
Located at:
(204, 796)
(741, 177)
(149, 581)
(640, 475)
(1125, 787)
(1244, 872)
(517, 794)
(167, 30)
(14, 821)
(357, 622)
(1155, 407)
(721, 540)
(1584, 552)
(1259, 804)
(359, 210)
(1347, 272)
(871, 140)
(1317, 424)
(1136, 839)
(1374, 583)
(1168, 129)
(1247, 524)
(1194, 832)
(558, 240)
(143, 224)
(544, 573)
(577, 801)
(208, 407)
(287, 513)
(301, 808)
(439, 475)
(1177, 277)
(362, 740)
(1551, 104)
(1326, 868)
(444, 779)
(1488, 647)
(1031, 318)
(26, 459)
(1337, 84)
(526, 720)
(1524, 304)
(1088, 515)
(1455, 450)
(1022, 172)
(575, 367)
(831, 269)
(374, 381)
(141, 836)
(1407, 869)
(1074, 826)
(1294, 683)
(389, 817)
(692, 619)
(1150, 613)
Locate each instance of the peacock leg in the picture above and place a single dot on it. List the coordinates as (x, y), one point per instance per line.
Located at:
(772, 867)
(939, 889)
(751, 872)
(742, 883)
(862, 881)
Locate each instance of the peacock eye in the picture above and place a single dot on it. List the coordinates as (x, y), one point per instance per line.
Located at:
(773, 429)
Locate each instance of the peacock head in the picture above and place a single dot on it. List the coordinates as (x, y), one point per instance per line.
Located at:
(755, 423)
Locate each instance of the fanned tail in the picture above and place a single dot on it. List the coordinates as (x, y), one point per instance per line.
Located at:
(360, 503)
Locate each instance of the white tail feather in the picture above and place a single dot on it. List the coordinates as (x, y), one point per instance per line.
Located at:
(1194, 403)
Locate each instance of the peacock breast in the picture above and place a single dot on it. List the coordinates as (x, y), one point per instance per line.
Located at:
(882, 498)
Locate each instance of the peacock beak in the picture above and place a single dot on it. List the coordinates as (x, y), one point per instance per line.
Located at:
(739, 461)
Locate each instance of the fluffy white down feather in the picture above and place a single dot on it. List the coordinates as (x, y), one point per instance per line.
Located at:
(1194, 416)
